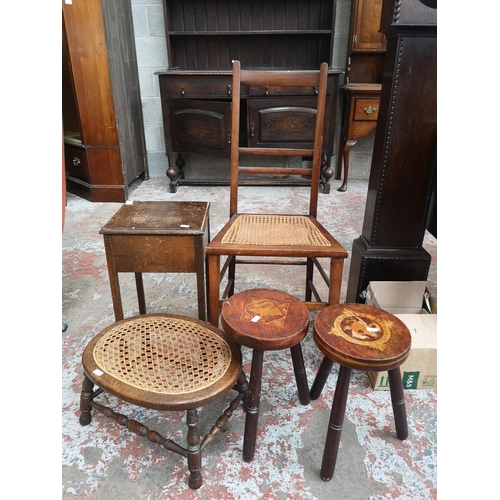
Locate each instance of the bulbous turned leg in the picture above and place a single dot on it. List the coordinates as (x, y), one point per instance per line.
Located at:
(172, 175)
(85, 400)
(326, 174)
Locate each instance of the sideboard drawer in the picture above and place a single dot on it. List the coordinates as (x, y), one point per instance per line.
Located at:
(275, 90)
(75, 162)
(366, 109)
(181, 87)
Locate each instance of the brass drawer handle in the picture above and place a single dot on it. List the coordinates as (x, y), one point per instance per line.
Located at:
(76, 161)
(229, 90)
(182, 90)
(369, 110)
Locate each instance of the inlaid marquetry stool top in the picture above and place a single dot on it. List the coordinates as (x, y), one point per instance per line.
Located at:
(162, 361)
(362, 337)
(265, 319)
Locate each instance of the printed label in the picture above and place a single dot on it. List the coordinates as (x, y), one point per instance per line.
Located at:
(410, 380)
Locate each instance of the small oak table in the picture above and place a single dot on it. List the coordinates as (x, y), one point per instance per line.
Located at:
(157, 237)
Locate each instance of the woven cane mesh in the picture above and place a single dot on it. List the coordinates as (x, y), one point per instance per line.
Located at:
(163, 355)
(274, 230)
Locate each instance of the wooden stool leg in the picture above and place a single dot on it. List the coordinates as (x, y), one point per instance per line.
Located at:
(335, 426)
(85, 399)
(242, 387)
(193, 450)
(300, 374)
(140, 293)
(252, 406)
(321, 377)
(398, 403)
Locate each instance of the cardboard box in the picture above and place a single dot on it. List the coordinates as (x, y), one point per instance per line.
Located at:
(419, 371)
(405, 299)
(400, 297)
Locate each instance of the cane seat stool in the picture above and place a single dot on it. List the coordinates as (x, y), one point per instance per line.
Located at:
(162, 362)
(266, 320)
(358, 337)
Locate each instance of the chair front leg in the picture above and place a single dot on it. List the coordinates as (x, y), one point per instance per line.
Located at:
(213, 288)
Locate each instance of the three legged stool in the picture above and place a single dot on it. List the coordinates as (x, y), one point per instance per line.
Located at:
(266, 320)
(358, 337)
(163, 362)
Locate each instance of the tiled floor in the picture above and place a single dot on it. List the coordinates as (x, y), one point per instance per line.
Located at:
(105, 461)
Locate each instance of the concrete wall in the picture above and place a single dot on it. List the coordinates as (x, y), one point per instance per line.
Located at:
(152, 56)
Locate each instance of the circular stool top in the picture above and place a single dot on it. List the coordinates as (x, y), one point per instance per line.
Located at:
(362, 337)
(265, 319)
(163, 361)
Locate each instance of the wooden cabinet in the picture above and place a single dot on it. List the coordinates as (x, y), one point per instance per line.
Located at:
(361, 93)
(402, 184)
(203, 38)
(102, 115)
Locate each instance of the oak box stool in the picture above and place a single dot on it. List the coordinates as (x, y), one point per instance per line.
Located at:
(358, 337)
(266, 320)
(157, 237)
(162, 362)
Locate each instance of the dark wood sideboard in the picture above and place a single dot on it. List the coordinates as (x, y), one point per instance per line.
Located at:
(203, 38)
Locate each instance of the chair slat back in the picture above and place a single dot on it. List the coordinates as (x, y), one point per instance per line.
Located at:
(316, 79)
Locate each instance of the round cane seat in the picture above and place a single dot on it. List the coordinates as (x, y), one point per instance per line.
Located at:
(265, 319)
(362, 337)
(161, 361)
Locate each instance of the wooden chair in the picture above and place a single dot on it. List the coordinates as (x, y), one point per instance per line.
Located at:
(163, 362)
(358, 337)
(263, 236)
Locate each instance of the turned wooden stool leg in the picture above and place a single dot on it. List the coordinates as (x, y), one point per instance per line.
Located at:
(85, 399)
(300, 374)
(398, 403)
(193, 450)
(242, 387)
(252, 406)
(324, 371)
(335, 426)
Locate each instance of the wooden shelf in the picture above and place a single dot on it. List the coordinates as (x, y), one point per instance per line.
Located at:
(256, 32)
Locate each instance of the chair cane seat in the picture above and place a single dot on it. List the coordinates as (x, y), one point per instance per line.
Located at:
(255, 229)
